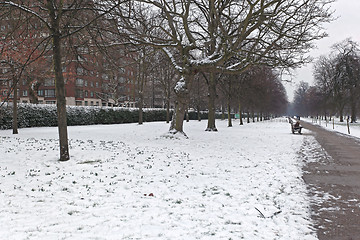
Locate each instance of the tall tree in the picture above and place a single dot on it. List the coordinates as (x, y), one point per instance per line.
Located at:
(59, 20)
(20, 52)
(205, 35)
(300, 99)
(337, 77)
(348, 64)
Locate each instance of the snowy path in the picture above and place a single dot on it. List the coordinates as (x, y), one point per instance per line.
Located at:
(334, 182)
(130, 182)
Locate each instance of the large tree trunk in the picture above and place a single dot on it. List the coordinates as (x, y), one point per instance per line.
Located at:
(198, 113)
(167, 110)
(228, 105)
(229, 114)
(182, 102)
(222, 111)
(15, 112)
(179, 114)
(141, 108)
(353, 110)
(341, 113)
(60, 91)
(240, 115)
(211, 104)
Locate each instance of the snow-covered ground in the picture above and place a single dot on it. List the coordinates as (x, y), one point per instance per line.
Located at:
(337, 126)
(135, 182)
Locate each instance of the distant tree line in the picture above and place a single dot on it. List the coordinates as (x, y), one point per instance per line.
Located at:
(337, 85)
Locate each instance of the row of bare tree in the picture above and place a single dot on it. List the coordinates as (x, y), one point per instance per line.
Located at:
(337, 84)
(213, 37)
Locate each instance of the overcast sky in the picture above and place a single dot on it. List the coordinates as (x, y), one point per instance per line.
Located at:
(346, 26)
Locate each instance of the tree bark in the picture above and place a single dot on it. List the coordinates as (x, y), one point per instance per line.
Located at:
(59, 85)
(240, 115)
(179, 114)
(198, 113)
(182, 102)
(15, 112)
(141, 108)
(222, 111)
(341, 114)
(229, 114)
(353, 110)
(167, 110)
(211, 104)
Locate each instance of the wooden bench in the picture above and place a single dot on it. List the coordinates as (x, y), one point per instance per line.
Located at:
(295, 125)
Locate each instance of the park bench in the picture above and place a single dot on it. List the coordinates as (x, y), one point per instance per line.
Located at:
(295, 125)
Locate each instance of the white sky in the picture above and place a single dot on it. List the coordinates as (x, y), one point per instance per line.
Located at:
(347, 25)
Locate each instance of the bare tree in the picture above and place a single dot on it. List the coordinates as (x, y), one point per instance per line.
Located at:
(59, 20)
(337, 77)
(165, 76)
(20, 54)
(348, 66)
(205, 35)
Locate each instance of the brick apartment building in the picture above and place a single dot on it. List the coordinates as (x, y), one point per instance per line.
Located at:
(85, 85)
(89, 78)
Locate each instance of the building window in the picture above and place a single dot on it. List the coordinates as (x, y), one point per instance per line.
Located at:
(79, 93)
(91, 94)
(25, 93)
(50, 102)
(85, 83)
(40, 93)
(79, 82)
(79, 71)
(86, 103)
(78, 103)
(96, 84)
(49, 82)
(23, 82)
(91, 103)
(49, 92)
(105, 77)
(91, 84)
(86, 93)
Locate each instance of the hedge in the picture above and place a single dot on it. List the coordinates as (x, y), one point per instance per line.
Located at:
(43, 115)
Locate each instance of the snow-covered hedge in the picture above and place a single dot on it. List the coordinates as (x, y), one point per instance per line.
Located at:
(40, 115)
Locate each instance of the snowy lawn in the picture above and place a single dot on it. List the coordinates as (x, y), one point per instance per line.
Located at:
(132, 182)
(337, 126)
